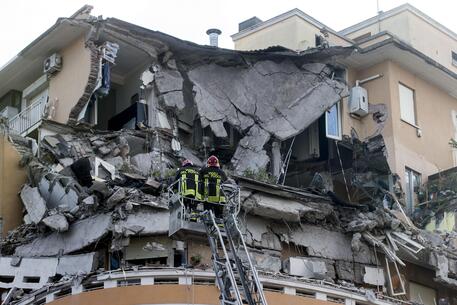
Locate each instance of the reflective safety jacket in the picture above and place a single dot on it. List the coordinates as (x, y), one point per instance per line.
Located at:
(211, 180)
(189, 181)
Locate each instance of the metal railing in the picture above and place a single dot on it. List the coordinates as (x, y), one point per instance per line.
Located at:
(26, 120)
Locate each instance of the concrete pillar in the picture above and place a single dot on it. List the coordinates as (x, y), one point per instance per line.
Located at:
(185, 280)
(76, 289)
(290, 290)
(109, 284)
(321, 296)
(147, 281)
(50, 297)
(349, 302)
(276, 158)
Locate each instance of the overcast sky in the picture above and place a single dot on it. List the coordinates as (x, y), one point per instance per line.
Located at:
(22, 21)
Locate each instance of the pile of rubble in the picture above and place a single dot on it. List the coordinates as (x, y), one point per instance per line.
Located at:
(83, 187)
(95, 190)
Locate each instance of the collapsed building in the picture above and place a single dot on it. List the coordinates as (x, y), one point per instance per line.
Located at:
(322, 228)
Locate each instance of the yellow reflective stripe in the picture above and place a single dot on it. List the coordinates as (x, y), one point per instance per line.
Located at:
(185, 191)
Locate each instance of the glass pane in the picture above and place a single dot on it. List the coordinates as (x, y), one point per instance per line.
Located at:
(407, 104)
(333, 122)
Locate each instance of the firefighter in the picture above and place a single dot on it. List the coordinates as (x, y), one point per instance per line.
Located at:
(211, 179)
(187, 178)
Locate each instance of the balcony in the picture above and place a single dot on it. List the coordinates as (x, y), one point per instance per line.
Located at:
(30, 118)
(148, 285)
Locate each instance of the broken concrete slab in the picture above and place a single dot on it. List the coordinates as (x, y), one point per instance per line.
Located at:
(321, 242)
(266, 260)
(374, 276)
(33, 203)
(34, 273)
(60, 192)
(153, 222)
(305, 267)
(80, 234)
(258, 234)
(29, 274)
(56, 222)
(77, 264)
(276, 207)
(249, 154)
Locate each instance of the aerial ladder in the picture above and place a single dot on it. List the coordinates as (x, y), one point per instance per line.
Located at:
(236, 275)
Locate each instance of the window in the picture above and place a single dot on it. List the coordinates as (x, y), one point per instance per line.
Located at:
(333, 122)
(412, 184)
(454, 58)
(422, 294)
(407, 107)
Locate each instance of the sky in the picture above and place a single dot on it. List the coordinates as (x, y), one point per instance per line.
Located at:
(22, 21)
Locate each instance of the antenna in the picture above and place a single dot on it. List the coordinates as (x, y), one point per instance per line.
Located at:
(379, 15)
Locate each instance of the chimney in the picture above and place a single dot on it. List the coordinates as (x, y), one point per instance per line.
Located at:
(213, 36)
(248, 23)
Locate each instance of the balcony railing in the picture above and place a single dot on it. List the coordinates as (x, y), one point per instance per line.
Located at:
(315, 289)
(28, 119)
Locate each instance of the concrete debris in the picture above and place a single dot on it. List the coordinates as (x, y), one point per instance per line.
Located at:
(305, 267)
(275, 207)
(56, 222)
(159, 225)
(374, 276)
(238, 102)
(77, 264)
(33, 203)
(80, 235)
(34, 273)
(266, 260)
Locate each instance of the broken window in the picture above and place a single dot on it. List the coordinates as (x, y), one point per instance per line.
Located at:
(407, 104)
(333, 122)
(422, 294)
(412, 183)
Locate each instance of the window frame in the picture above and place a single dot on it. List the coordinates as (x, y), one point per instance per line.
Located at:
(414, 105)
(454, 58)
(339, 124)
(409, 187)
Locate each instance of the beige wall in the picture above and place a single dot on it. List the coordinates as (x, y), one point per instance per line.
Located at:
(398, 25)
(67, 86)
(12, 177)
(294, 33)
(430, 152)
(426, 154)
(418, 33)
(171, 294)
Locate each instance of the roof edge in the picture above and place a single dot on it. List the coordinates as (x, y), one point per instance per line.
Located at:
(294, 12)
(395, 11)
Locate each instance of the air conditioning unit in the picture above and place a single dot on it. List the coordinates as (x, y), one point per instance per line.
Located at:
(52, 64)
(358, 101)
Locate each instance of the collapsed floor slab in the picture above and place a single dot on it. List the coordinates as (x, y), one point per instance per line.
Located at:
(79, 235)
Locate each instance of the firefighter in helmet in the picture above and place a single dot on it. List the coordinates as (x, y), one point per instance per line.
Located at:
(211, 179)
(187, 178)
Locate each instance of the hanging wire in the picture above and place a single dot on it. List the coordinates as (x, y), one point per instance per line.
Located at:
(342, 170)
(285, 165)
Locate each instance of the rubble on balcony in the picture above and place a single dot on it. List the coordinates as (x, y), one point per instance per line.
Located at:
(292, 232)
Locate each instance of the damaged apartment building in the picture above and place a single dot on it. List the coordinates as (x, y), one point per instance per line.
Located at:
(329, 135)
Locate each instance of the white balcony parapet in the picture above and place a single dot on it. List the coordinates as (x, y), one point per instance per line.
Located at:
(30, 118)
(320, 290)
